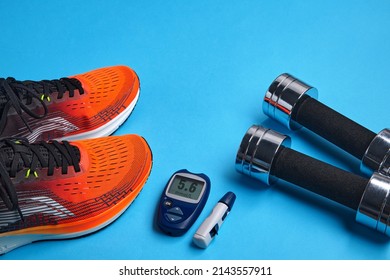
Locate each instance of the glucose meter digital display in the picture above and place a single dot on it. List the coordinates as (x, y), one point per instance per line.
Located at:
(186, 187)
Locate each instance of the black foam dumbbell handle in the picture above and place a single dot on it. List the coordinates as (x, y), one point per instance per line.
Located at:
(333, 126)
(319, 177)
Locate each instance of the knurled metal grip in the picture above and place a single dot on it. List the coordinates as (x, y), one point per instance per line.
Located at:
(257, 151)
(374, 208)
(286, 102)
(265, 155)
(282, 96)
(377, 156)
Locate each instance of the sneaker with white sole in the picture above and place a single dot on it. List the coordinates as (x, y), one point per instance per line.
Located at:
(58, 190)
(89, 105)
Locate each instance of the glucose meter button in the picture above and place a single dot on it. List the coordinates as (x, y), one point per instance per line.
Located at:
(172, 218)
(168, 203)
(176, 210)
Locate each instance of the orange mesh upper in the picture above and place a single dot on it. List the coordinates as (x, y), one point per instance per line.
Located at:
(104, 87)
(107, 163)
(114, 169)
(95, 104)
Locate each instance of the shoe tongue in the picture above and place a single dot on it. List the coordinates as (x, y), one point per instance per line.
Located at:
(7, 156)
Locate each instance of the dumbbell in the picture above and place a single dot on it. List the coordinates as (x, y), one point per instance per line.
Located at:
(265, 155)
(294, 104)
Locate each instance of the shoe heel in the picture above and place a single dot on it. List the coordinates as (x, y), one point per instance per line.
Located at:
(8, 243)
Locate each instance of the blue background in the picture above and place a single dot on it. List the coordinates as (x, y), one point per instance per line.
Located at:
(204, 67)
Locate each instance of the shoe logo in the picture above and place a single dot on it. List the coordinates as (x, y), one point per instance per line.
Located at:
(56, 123)
(34, 205)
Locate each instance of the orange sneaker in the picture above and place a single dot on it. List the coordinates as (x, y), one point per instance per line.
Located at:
(57, 190)
(89, 105)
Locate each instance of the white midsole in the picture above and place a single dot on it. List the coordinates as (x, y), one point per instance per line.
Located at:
(108, 128)
(8, 243)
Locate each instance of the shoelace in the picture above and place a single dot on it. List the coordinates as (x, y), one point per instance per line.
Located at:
(20, 94)
(31, 156)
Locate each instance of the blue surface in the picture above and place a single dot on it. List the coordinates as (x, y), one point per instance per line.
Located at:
(204, 68)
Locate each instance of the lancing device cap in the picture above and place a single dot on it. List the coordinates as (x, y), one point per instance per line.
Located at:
(228, 199)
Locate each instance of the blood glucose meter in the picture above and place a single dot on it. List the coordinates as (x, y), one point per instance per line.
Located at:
(182, 201)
